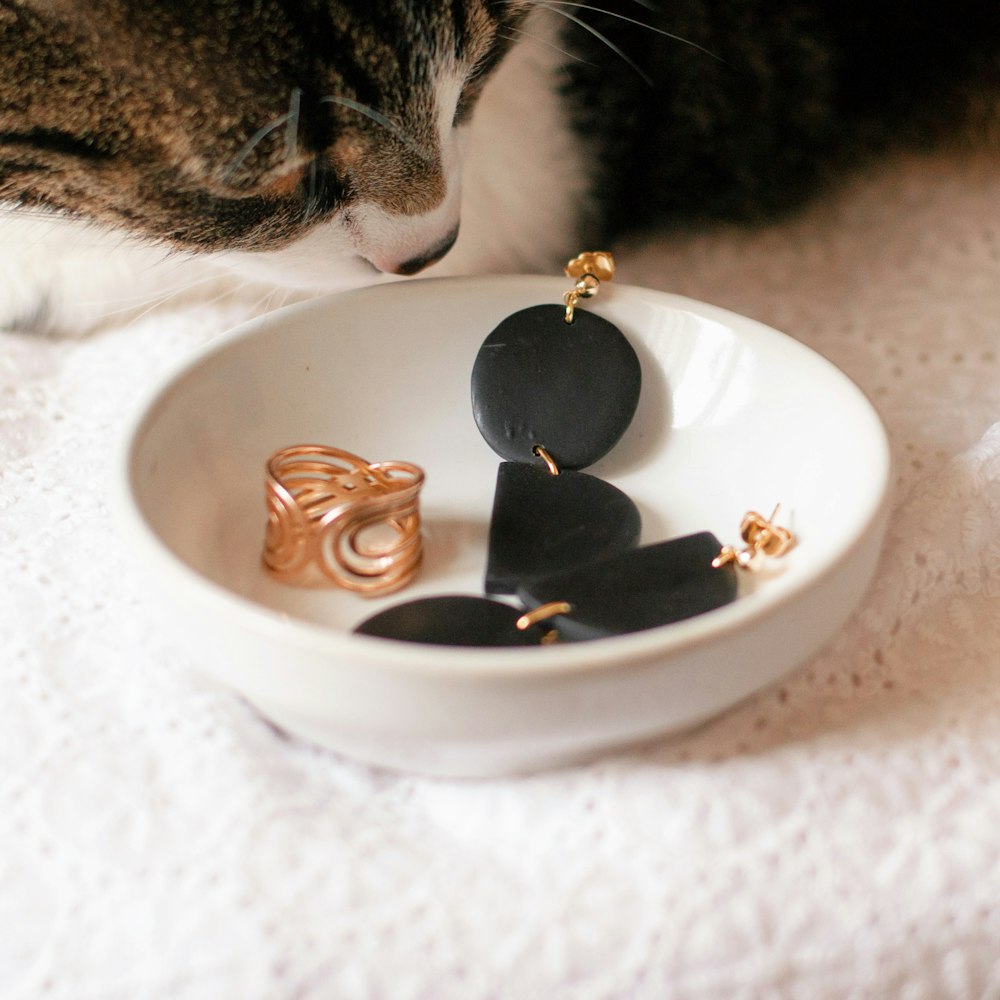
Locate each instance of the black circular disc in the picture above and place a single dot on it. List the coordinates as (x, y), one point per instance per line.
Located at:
(570, 387)
(454, 620)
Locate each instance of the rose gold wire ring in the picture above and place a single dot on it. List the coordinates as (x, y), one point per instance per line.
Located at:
(335, 518)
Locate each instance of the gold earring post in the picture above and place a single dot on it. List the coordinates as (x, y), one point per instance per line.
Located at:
(589, 269)
(763, 538)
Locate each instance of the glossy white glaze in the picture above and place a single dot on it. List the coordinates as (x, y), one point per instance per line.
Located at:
(733, 416)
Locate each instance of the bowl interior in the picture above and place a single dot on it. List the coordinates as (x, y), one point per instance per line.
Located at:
(733, 416)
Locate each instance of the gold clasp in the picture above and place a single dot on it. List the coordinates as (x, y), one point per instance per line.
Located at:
(589, 269)
(763, 538)
(546, 458)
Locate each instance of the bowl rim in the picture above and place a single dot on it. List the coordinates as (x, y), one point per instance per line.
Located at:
(661, 643)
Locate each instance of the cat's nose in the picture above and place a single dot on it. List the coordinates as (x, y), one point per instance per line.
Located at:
(430, 256)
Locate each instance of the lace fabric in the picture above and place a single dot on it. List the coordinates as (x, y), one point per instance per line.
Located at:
(834, 836)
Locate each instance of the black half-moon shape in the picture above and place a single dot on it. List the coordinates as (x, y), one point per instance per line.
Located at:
(544, 524)
(570, 387)
(454, 620)
(639, 589)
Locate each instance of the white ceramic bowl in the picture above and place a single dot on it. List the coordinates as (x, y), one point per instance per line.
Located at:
(733, 416)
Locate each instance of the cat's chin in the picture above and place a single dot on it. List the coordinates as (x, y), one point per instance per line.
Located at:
(62, 277)
(304, 267)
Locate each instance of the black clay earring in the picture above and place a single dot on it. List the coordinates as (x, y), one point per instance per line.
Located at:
(553, 390)
(636, 590)
(650, 586)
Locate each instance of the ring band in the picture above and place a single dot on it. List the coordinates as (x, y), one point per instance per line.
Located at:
(335, 518)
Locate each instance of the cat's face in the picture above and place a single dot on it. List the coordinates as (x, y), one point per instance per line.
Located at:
(254, 126)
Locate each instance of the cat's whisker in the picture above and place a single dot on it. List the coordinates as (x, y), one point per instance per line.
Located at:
(225, 293)
(312, 203)
(554, 7)
(122, 310)
(211, 272)
(631, 20)
(292, 125)
(538, 40)
(278, 298)
(127, 303)
(248, 147)
(380, 119)
(364, 109)
(264, 303)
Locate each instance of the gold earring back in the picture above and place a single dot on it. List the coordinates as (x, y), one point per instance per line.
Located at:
(763, 538)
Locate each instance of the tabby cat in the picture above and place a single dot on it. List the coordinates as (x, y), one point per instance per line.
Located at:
(324, 143)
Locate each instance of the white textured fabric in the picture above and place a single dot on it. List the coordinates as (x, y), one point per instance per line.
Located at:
(835, 836)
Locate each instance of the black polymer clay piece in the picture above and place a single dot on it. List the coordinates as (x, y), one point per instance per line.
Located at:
(544, 524)
(572, 388)
(456, 620)
(639, 589)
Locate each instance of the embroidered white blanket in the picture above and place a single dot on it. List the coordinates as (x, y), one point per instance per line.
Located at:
(834, 836)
